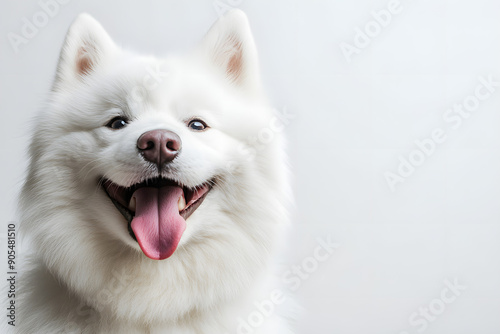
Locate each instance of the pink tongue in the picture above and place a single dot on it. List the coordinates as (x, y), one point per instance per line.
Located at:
(157, 224)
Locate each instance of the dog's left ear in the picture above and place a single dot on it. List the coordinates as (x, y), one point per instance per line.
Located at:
(86, 46)
(230, 46)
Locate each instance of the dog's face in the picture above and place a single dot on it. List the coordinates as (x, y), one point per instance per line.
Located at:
(159, 155)
(140, 159)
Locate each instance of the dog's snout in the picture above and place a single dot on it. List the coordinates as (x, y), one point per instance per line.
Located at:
(159, 146)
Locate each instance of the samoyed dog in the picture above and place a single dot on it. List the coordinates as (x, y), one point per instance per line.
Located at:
(156, 191)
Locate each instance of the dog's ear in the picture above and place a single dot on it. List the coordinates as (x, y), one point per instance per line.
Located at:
(86, 46)
(230, 46)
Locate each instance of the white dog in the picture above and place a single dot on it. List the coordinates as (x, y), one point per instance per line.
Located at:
(156, 191)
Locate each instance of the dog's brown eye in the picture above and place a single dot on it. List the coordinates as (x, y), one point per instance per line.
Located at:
(197, 125)
(117, 123)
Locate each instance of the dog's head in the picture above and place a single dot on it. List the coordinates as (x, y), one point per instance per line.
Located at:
(138, 159)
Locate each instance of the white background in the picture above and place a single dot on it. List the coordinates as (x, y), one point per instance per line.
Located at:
(352, 122)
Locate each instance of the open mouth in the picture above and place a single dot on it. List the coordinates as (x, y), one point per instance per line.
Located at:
(156, 211)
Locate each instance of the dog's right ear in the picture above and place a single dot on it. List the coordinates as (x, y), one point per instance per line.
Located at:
(229, 45)
(86, 46)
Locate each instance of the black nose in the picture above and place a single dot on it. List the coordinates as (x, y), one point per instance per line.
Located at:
(159, 146)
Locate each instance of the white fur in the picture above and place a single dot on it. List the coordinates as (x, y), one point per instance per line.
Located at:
(88, 275)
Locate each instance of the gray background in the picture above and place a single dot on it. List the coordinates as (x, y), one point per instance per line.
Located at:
(352, 122)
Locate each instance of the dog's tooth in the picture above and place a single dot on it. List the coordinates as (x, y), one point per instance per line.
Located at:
(181, 203)
(132, 204)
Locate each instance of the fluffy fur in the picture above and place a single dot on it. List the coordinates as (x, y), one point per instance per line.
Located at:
(88, 275)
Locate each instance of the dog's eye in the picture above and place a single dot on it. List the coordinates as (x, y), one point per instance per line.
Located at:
(197, 125)
(117, 123)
